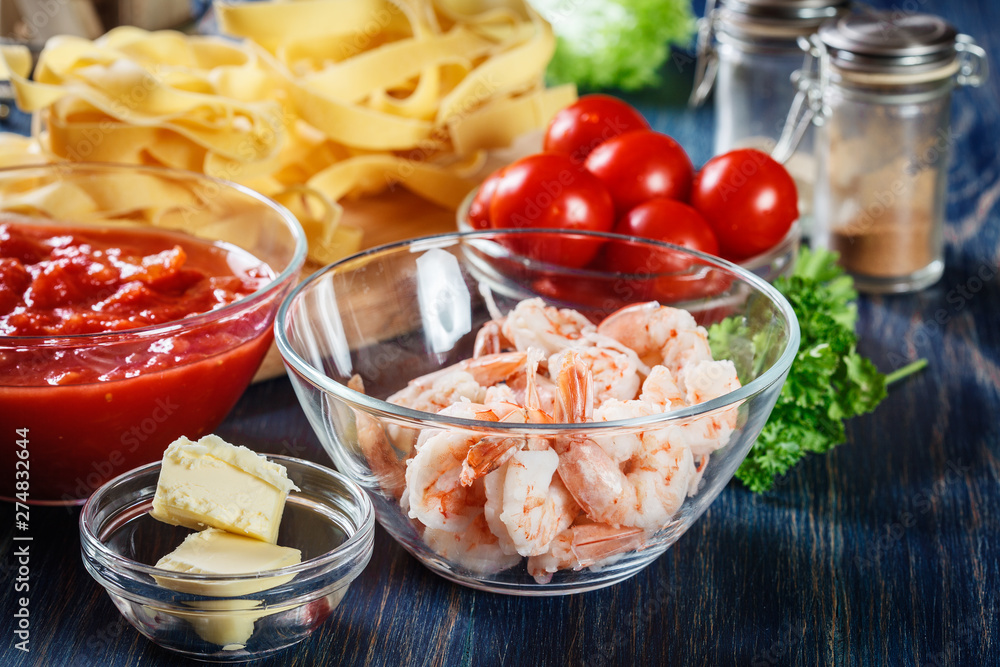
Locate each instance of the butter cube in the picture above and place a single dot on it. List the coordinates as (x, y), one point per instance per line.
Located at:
(214, 551)
(229, 623)
(214, 483)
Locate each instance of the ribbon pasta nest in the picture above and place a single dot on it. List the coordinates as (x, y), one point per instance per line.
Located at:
(315, 102)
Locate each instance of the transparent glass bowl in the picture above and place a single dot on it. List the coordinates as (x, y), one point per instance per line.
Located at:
(396, 312)
(778, 261)
(331, 521)
(180, 378)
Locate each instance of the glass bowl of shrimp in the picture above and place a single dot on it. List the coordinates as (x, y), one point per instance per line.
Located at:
(527, 428)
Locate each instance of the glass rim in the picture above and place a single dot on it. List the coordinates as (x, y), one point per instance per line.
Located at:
(342, 552)
(384, 409)
(276, 283)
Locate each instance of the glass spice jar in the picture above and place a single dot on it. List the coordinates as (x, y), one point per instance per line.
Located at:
(749, 51)
(881, 101)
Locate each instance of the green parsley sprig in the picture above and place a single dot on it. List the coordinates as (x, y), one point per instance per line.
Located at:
(829, 381)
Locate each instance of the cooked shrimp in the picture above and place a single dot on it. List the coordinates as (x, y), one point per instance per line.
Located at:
(703, 382)
(493, 484)
(474, 547)
(706, 380)
(466, 380)
(533, 324)
(644, 492)
(500, 393)
(492, 451)
(435, 495)
(659, 334)
(385, 464)
(584, 545)
(660, 390)
(621, 446)
(536, 505)
(615, 373)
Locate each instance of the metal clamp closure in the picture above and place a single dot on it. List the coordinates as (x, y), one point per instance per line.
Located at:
(807, 105)
(707, 64)
(973, 67)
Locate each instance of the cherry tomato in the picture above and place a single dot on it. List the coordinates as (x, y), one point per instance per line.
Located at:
(547, 190)
(640, 166)
(582, 126)
(749, 200)
(665, 220)
(479, 209)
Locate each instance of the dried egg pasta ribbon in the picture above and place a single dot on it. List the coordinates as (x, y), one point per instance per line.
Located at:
(272, 23)
(340, 91)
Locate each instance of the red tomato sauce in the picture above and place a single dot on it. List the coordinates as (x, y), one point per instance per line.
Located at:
(57, 281)
(94, 412)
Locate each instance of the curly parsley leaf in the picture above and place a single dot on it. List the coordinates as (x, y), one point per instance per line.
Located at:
(829, 381)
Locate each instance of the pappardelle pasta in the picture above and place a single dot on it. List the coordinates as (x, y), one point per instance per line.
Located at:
(318, 101)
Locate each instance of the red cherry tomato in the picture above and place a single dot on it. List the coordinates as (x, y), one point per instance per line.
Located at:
(547, 190)
(640, 166)
(665, 220)
(479, 209)
(582, 126)
(749, 200)
(662, 274)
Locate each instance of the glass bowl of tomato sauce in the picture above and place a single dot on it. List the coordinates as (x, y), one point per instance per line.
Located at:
(528, 428)
(136, 304)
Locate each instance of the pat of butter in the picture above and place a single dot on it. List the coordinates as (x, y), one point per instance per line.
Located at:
(229, 623)
(214, 483)
(214, 551)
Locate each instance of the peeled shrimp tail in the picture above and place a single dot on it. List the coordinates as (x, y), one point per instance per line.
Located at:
(584, 545)
(487, 455)
(575, 392)
(490, 340)
(593, 478)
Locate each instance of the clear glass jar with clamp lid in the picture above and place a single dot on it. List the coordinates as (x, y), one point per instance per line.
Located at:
(748, 49)
(880, 97)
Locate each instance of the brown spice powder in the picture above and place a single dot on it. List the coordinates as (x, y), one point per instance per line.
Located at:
(896, 243)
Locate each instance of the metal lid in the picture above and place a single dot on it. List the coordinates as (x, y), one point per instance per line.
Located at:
(889, 42)
(786, 9)
(799, 16)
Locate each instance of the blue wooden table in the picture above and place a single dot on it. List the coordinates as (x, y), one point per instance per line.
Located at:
(885, 551)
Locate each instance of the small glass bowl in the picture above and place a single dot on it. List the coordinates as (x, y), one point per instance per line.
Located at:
(400, 311)
(331, 521)
(769, 265)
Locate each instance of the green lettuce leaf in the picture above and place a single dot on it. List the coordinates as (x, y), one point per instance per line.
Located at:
(614, 43)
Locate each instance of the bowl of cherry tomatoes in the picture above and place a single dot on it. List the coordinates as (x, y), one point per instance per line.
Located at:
(603, 169)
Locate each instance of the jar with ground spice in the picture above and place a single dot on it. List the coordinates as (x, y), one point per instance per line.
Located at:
(882, 98)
